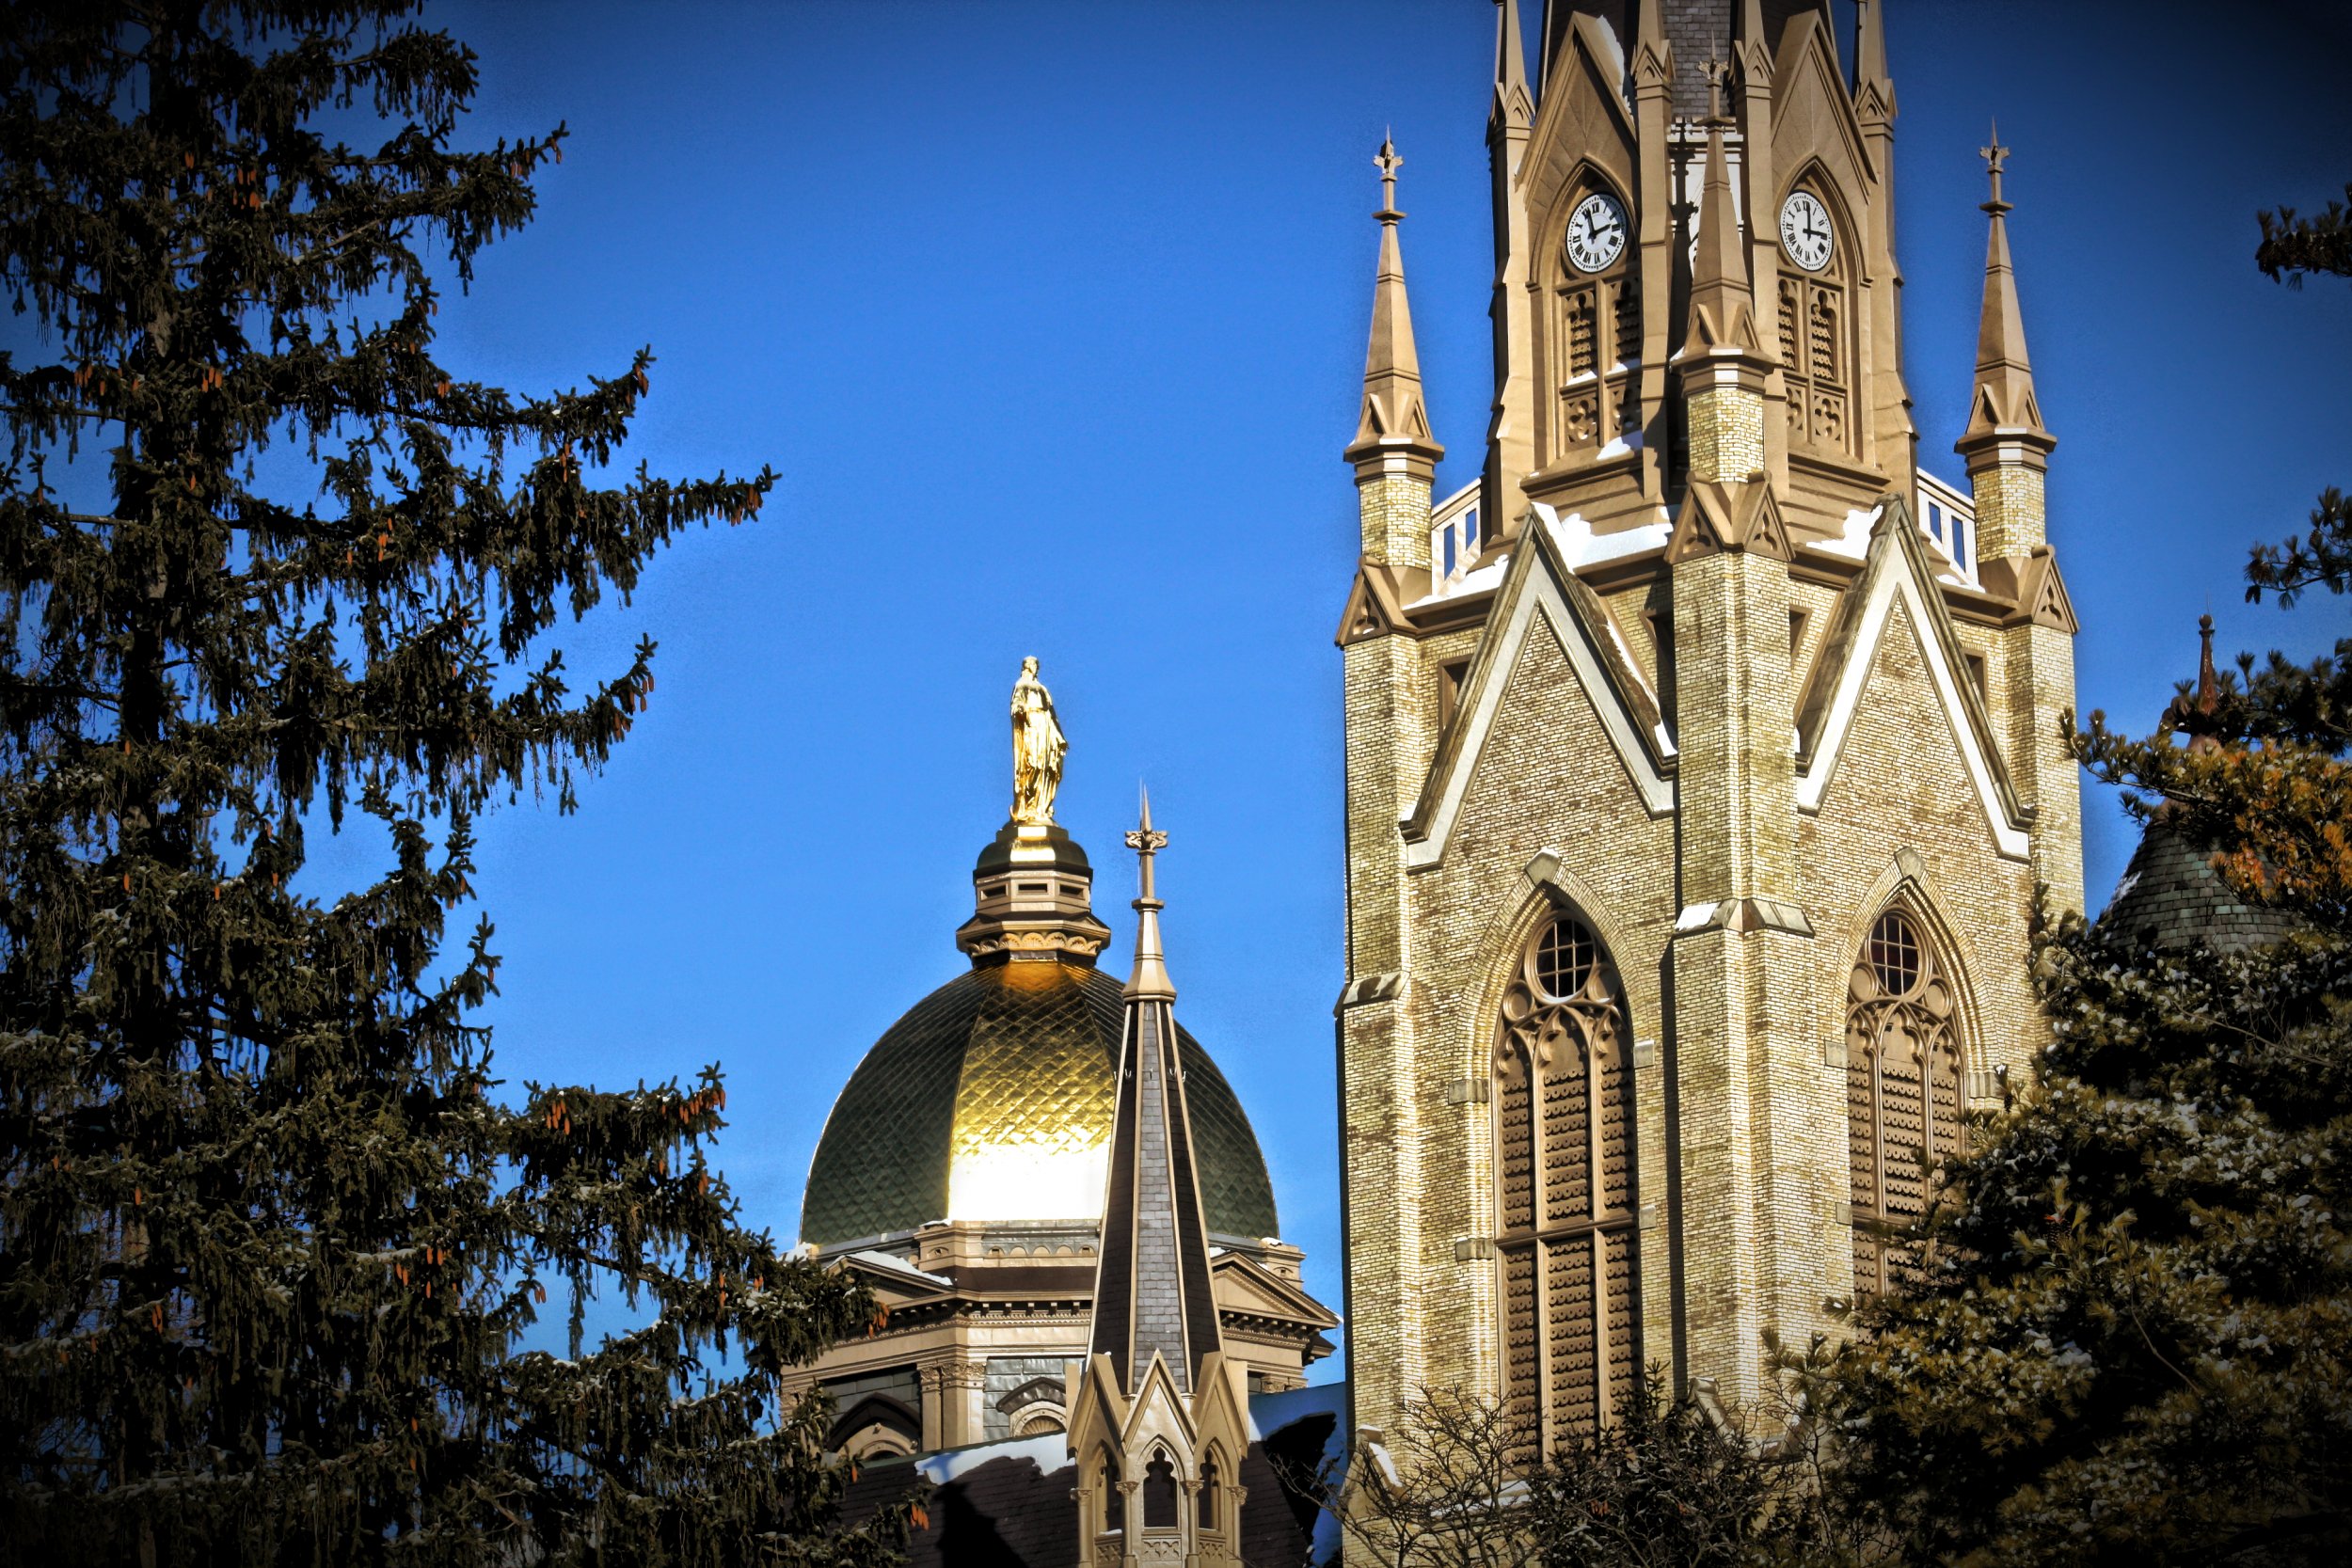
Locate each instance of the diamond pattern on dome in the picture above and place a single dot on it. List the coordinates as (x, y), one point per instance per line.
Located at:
(1033, 1112)
(998, 1058)
(882, 1164)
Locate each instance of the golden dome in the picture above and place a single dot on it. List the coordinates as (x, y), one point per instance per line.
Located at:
(991, 1101)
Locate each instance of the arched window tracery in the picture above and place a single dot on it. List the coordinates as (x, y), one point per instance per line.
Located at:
(1904, 1089)
(1568, 1207)
(1159, 1492)
(1208, 1495)
(1813, 311)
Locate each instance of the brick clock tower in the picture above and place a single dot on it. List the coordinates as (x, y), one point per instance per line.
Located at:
(1702, 754)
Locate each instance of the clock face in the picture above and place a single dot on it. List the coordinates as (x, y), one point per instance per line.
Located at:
(1596, 233)
(1804, 230)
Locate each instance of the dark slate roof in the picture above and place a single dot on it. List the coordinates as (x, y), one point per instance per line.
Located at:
(1008, 1512)
(1696, 30)
(2172, 897)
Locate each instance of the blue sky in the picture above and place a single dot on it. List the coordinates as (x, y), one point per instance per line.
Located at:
(1052, 318)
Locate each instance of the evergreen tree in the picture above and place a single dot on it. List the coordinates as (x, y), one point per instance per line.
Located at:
(269, 1239)
(2129, 1337)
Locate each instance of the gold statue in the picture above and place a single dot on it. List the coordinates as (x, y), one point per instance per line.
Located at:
(1038, 748)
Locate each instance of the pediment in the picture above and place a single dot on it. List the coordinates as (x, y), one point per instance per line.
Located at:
(898, 1283)
(1897, 570)
(1374, 607)
(1540, 595)
(2041, 592)
(1242, 1285)
(2032, 585)
(1717, 518)
(1582, 119)
(1813, 117)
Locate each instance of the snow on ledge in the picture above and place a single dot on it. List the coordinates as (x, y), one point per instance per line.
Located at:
(1577, 545)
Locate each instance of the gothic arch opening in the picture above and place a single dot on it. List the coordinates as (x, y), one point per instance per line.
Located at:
(1591, 323)
(1568, 1211)
(1114, 1499)
(1207, 1499)
(1159, 1492)
(1904, 1078)
(1814, 312)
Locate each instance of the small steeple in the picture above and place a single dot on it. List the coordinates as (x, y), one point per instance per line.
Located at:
(2002, 410)
(1514, 104)
(1148, 980)
(1649, 27)
(1722, 311)
(2005, 445)
(1152, 1294)
(1869, 52)
(2198, 714)
(1393, 423)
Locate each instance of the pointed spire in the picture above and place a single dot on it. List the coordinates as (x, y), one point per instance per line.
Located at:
(1722, 309)
(1514, 104)
(1153, 1297)
(1149, 978)
(1870, 48)
(1751, 47)
(2199, 714)
(2003, 410)
(1393, 421)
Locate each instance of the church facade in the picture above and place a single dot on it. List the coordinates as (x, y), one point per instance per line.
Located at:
(1704, 780)
(1703, 755)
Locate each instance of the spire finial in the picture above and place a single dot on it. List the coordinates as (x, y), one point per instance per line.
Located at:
(2200, 714)
(2004, 414)
(1994, 157)
(1388, 162)
(1718, 71)
(1391, 421)
(1150, 976)
(1721, 306)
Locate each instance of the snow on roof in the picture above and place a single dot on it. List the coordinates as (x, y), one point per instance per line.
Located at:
(1048, 1453)
(900, 1266)
(1578, 544)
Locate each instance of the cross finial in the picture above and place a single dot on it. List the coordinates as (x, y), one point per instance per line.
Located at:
(1994, 156)
(1718, 72)
(1146, 841)
(1388, 162)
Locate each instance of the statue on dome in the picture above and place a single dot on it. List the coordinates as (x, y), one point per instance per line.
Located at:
(1038, 748)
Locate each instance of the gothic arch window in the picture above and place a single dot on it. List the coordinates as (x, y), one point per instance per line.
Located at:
(1159, 1492)
(1208, 1494)
(1567, 1224)
(1904, 1078)
(1593, 324)
(1815, 316)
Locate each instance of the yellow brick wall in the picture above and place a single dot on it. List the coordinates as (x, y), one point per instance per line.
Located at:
(1759, 1015)
(1394, 509)
(1726, 432)
(1901, 784)
(2010, 515)
(1548, 780)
